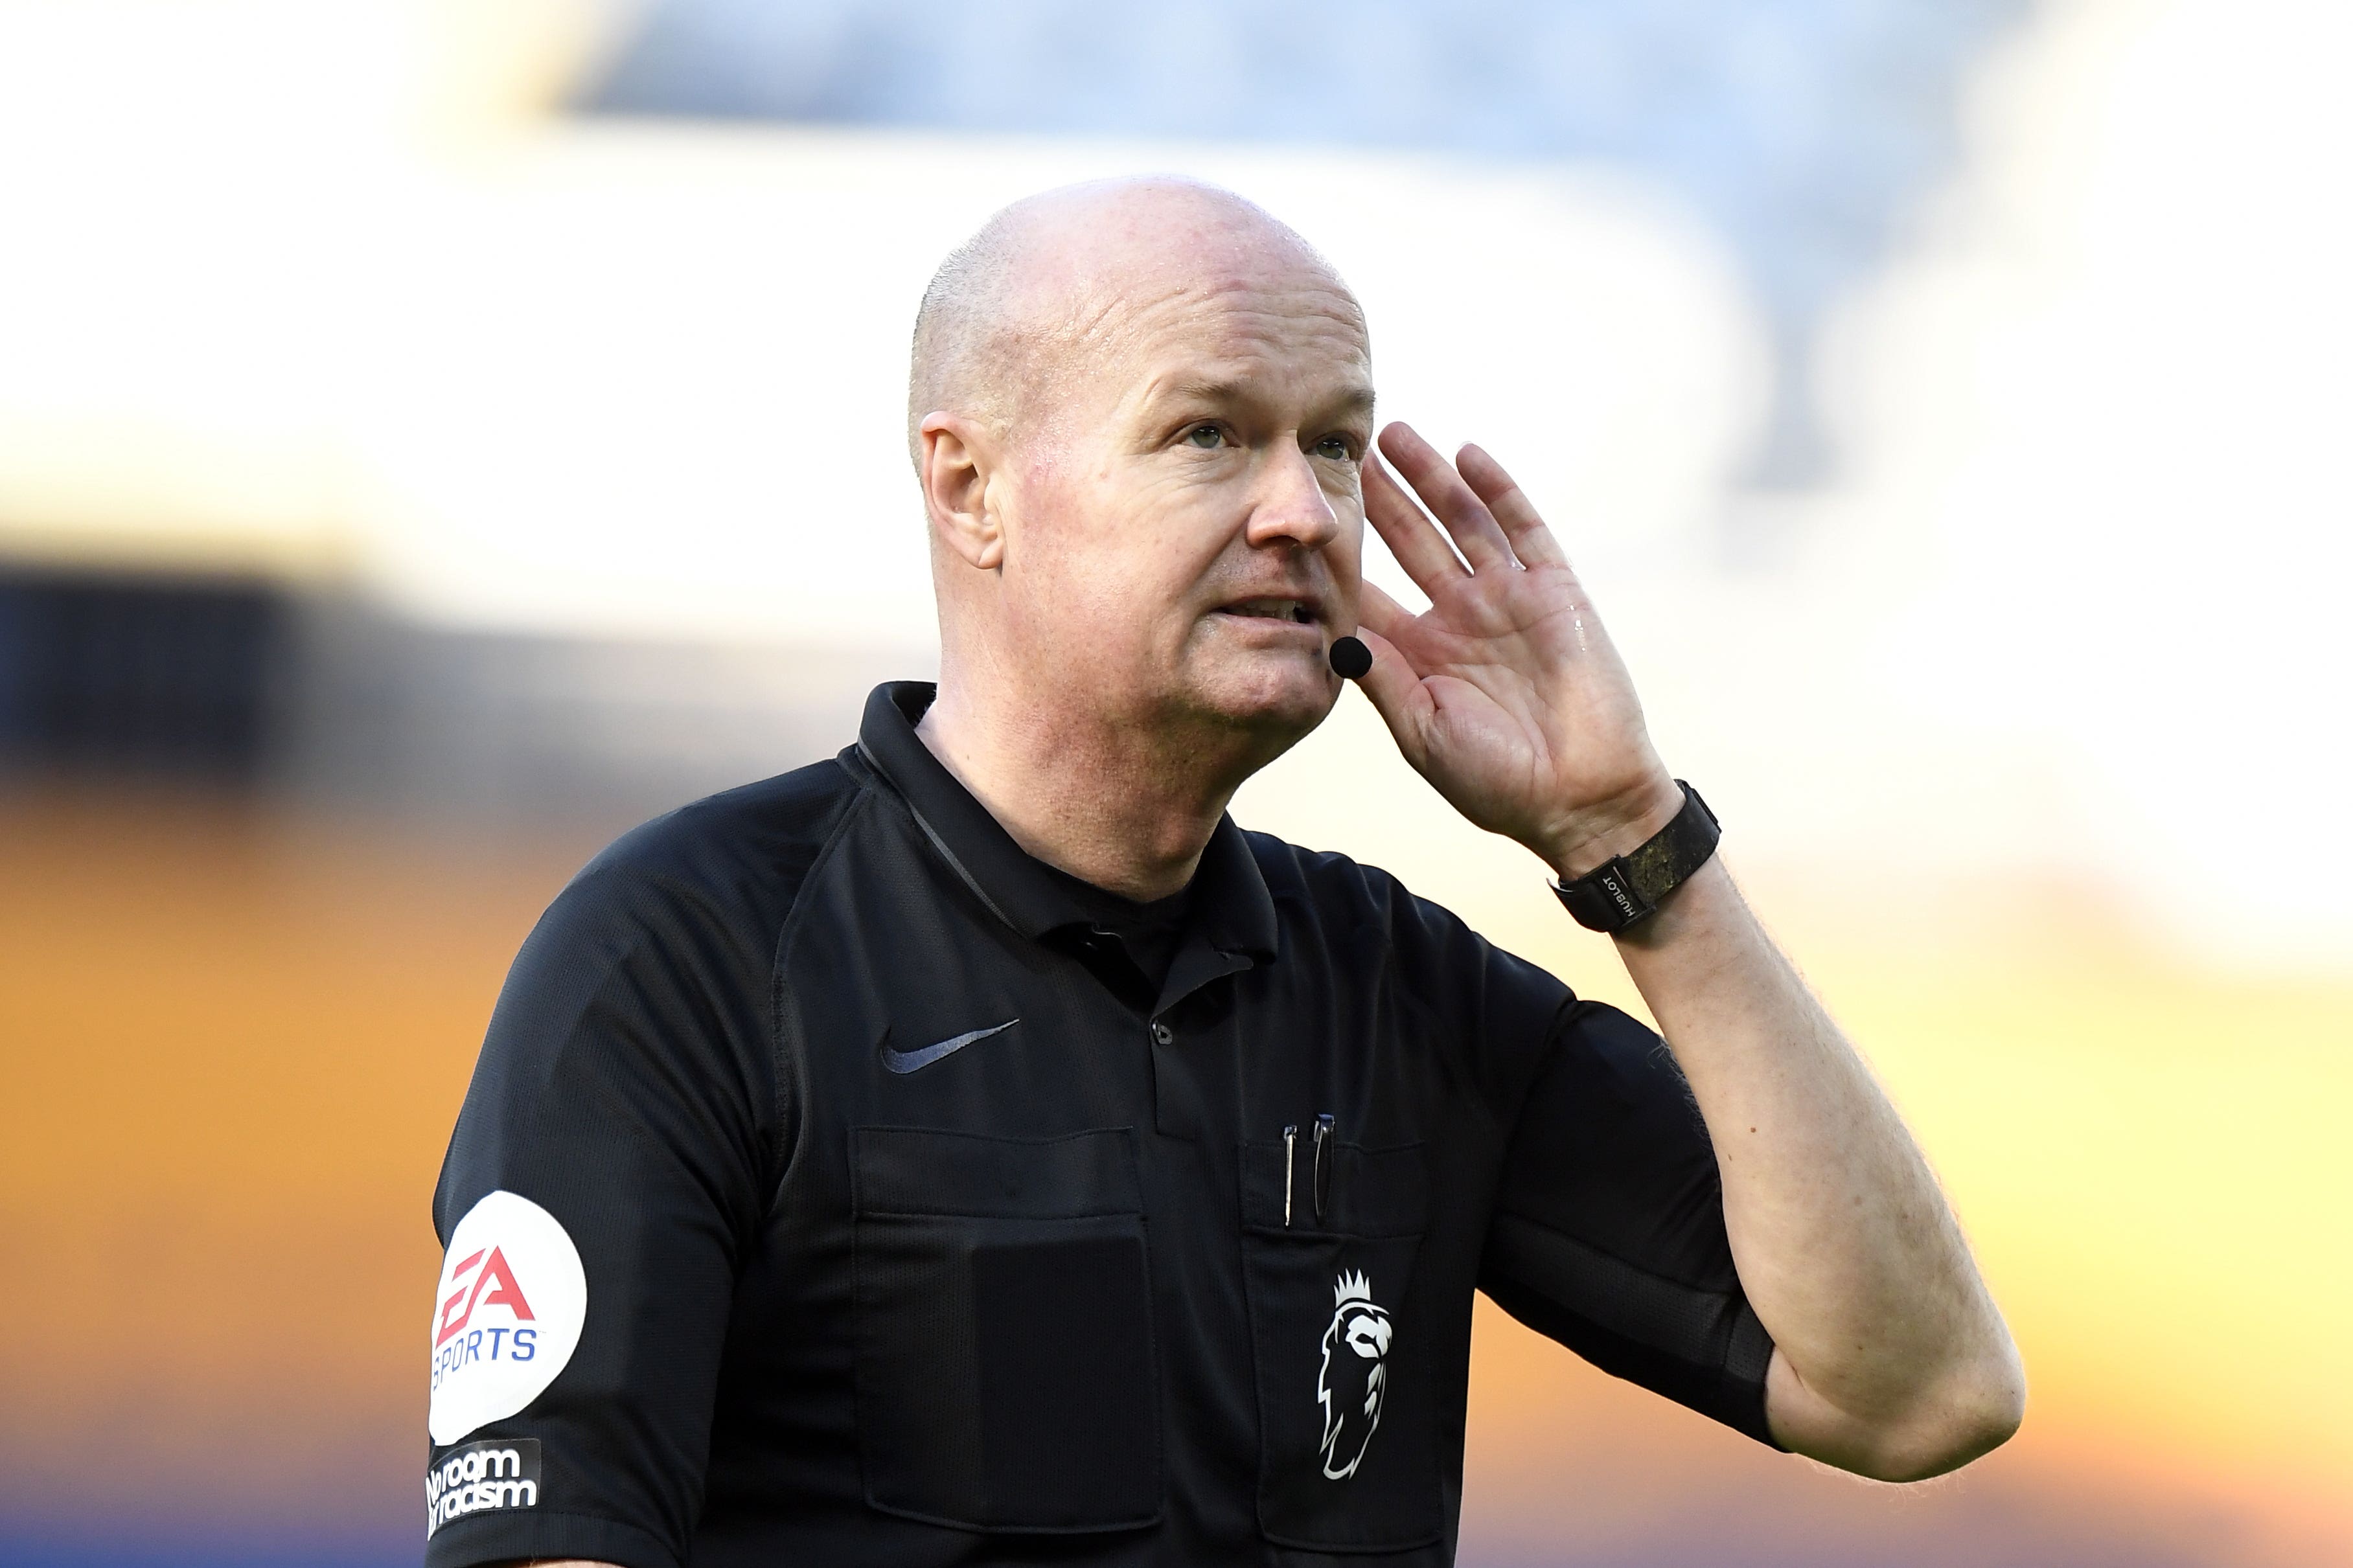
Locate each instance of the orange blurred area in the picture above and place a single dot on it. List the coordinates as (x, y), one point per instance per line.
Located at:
(232, 1044)
(234, 1048)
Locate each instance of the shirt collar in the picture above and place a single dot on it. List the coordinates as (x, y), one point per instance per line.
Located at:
(1231, 908)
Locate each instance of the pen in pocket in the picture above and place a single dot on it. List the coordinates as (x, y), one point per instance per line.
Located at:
(1324, 1158)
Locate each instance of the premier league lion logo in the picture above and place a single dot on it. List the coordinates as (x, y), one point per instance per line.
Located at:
(1355, 1375)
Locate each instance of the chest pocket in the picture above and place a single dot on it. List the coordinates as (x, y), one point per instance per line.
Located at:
(1007, 1378)
(1348, 1455)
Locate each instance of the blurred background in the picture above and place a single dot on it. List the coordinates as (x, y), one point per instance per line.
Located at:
(436, 434)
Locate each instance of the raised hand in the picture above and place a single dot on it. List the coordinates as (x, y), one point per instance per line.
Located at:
(1506, 694)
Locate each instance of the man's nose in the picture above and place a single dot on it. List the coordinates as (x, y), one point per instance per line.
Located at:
(1290, 505)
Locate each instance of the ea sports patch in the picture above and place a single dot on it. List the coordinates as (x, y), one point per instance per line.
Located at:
(498, 1472)
(507, 1316)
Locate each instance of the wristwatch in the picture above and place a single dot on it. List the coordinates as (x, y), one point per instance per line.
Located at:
(1618, 893)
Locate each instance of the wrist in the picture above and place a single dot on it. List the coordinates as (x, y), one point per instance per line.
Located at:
(1597, 835)
(1626, 889)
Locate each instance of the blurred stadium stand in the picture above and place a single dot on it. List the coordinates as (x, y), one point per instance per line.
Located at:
(304, 695)
(116, 673)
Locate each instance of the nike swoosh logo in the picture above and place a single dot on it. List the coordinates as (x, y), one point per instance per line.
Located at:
(911, 1061)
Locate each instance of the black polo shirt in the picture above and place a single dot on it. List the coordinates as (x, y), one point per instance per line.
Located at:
(831, 1189)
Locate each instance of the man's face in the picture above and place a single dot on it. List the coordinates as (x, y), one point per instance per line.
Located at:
(1188, 521)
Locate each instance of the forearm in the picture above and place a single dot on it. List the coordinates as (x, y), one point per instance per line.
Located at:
(1893, 1359)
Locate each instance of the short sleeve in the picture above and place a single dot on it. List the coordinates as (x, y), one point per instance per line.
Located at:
(1607, 1231)
(598, 1194)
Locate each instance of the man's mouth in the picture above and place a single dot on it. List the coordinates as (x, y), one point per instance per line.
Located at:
(1300, 612)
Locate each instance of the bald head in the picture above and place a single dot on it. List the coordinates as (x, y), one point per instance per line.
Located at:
(1051, 282)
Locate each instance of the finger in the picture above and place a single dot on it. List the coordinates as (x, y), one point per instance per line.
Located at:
(1376, 609)
(1407, 530)
(1398, 695)
(1454, 503)
(1532, 542)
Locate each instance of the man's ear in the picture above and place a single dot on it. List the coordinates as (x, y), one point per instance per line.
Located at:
(959, 468)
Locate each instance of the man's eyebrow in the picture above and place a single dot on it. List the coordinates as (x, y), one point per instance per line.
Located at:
(1357, 398)
(1202, 389)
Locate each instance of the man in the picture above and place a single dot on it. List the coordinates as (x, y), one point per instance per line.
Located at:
(976, 1148)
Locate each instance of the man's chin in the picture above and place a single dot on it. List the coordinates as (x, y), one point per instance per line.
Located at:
(1283, 696)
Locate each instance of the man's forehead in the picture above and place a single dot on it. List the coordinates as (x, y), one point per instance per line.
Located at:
(1087, 257)
(1228, 332)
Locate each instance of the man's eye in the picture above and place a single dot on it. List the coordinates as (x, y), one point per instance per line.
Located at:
(1336, 447)
(1206, 437)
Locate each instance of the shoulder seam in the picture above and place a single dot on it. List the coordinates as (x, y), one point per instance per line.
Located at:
(779, 1160)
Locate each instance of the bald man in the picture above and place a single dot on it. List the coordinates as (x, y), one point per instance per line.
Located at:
(978, 1148)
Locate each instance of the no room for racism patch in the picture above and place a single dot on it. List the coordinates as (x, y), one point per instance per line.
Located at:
(507, 1316)
(498, 1472)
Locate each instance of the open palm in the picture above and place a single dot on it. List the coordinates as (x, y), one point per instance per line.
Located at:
(1506, 694)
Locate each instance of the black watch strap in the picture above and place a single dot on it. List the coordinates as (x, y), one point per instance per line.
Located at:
(1617, 894)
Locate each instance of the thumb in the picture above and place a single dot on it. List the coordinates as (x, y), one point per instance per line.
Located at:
(1393, 688)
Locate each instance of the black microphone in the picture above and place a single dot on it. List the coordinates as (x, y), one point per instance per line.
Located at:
(1351, 660)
